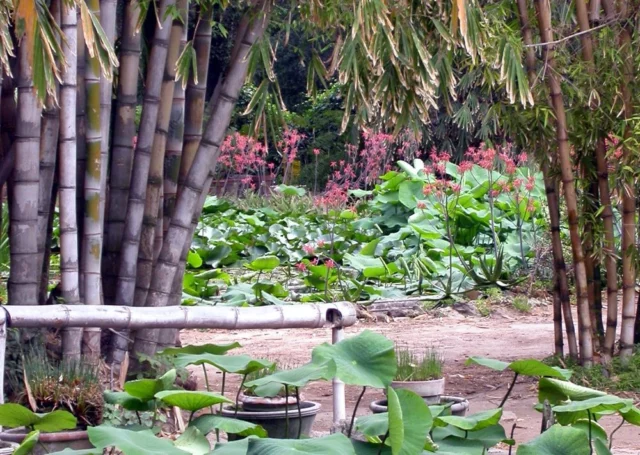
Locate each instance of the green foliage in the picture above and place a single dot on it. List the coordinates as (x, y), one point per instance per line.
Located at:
(418, 366)
(521, 303)
(409, 421)
(13, 415)
(189, 400)
(558, 439)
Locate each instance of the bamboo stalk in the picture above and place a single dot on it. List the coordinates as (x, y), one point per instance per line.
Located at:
(195, 98)
(127, 273)
(71, 337)
(124, 130)
(563, 304)
(566, 168)
(206, 157)
(92, 233)
(81, 140)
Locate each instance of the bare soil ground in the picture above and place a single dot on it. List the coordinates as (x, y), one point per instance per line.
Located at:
(506, 335)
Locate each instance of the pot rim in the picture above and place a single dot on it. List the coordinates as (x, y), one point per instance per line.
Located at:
(17, 435)
(307, 409)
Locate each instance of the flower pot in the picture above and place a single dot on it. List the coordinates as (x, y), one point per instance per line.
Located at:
(274, 422)
(429, 390)
(459, 406)
(259, 404)
(50, 442)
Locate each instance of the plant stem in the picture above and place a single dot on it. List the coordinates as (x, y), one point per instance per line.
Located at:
(206, 382)
(614, 432)
(513, 430)
(384, 438)
(139, 419)
(513, 383)
(244, 377)
(299, 412)
(355, 409)
(286, 411)
(590, 441)
(224, 380)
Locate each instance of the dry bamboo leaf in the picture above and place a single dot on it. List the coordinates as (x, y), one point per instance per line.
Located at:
(27, 388)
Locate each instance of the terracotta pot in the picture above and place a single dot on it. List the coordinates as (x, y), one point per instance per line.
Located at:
(50, 442)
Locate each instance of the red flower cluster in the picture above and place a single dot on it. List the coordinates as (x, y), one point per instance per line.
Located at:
(243, 154)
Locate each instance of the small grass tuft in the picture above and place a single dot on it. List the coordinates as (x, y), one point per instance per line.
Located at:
(484, 307)
(613, 378)
(521, 303)
(418, 366)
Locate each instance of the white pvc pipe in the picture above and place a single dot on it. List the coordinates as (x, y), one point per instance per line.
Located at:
(340, 314)
(339, 401)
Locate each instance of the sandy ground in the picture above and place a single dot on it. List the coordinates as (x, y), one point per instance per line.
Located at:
(505, 335)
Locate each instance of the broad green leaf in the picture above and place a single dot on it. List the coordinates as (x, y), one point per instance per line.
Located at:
(240, 364)
(409, 421)
(533, 367)
(132, 442)
(298, 377)
(488, 437)
(209, 422)
(127, 401)
(194, 260)
(189, 400)
(631, 415)
(264, 264)
(370, 248)
(27, 444)
(335, 444)
(289, 190)
(217, 349)
(557, 440)
(193, 441)
(373, 425)
(474, 422)
(557, 391)
(146, 389)
(594, 405)
(497, 365)
(13, 415)
(233, 448)
(367, 359)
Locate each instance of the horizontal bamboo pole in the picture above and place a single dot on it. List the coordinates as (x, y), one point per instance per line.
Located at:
(340, 314)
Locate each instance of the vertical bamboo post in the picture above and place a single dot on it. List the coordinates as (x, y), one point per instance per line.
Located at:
(339, 409)
(3, 348)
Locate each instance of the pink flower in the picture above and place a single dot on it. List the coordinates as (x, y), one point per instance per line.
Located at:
(455, 187)
(320, 243)
(495, 193)
(314, 261)
(421, 205)
(301, 266)
(309, 249)
(427, 190)
(522, 158)
(330, 263)
(529, 186)
(135, 141)
(333, 164)
(517, 183)
(316, 152)
(465, 166)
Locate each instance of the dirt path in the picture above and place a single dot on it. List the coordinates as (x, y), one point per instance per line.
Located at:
(505, 335)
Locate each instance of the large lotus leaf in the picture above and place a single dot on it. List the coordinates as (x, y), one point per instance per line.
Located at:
(370, 248)
(367, 359)
(489, 436)
(592, 428)
(193, 441)
(370, 448)
(146, 389)
(631, 415)
(568, 413)
(210, 422)
(497, 365)
(240, 364)
(298, 377)
(370, 267)
(13, 415)
(132, 442)
(217, 349)
(27, 444)
(460, 446)
(264, 264)
(289, 190)
(473, 422)
(557, 391)
(128, 402)
(533, 367)
(557, 440)
(232, 448)
(189, 400)
(409, 421)
(409, 192)
(335, 444)
(373, 425)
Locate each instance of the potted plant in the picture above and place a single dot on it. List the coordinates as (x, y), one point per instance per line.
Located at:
(270, 399)
(44, 388)
(420, 372)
